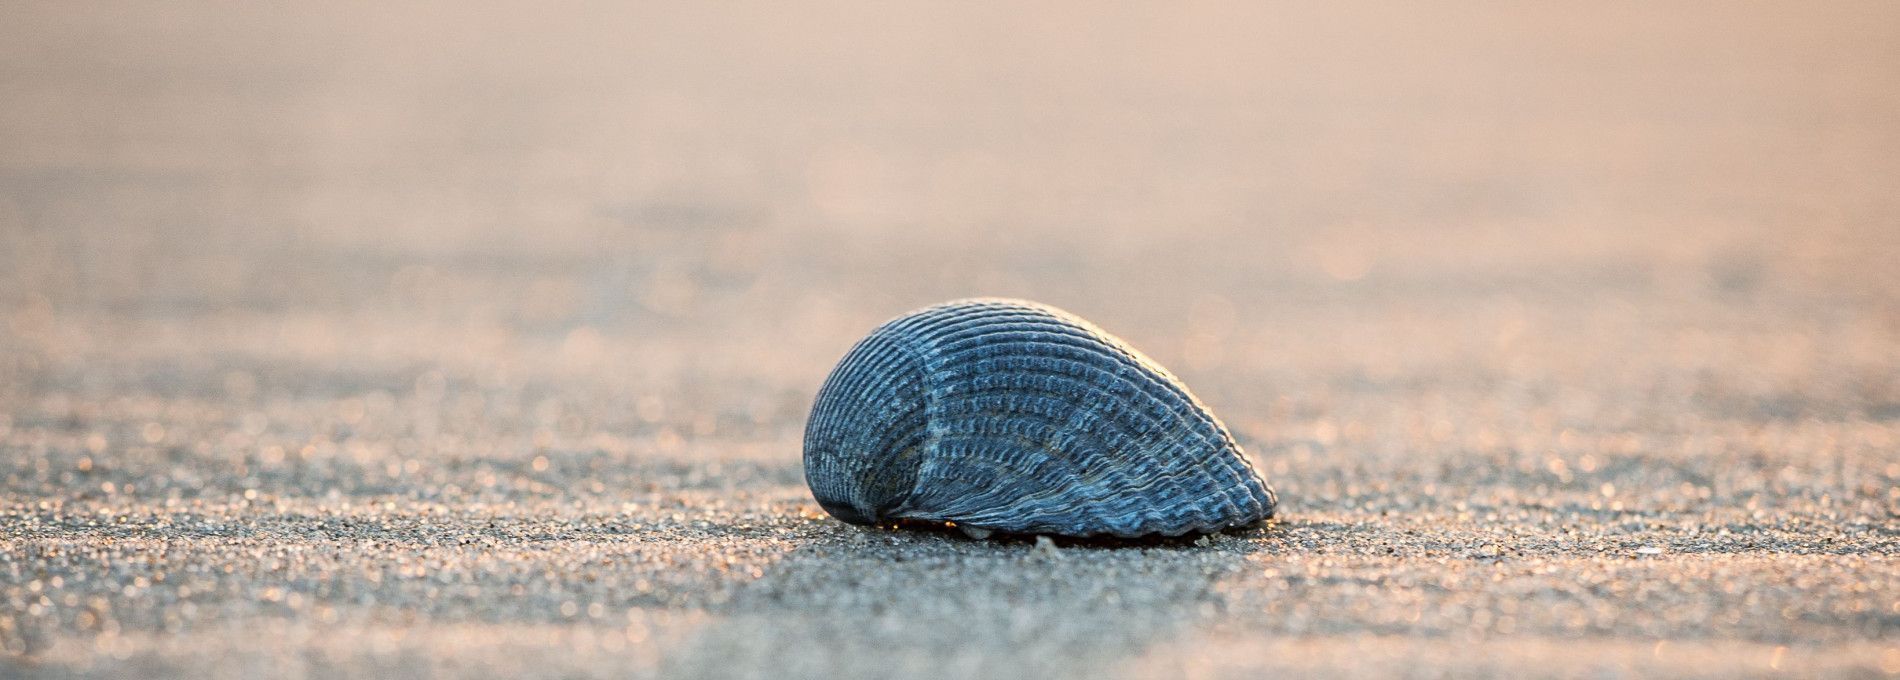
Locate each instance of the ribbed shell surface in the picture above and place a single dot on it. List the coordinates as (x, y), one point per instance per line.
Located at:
(1014, 416)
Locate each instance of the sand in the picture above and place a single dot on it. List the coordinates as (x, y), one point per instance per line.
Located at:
(476, 341)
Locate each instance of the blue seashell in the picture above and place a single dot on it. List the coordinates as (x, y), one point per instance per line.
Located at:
(1013, 416)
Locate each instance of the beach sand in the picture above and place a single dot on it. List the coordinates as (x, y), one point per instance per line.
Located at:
(476, 340)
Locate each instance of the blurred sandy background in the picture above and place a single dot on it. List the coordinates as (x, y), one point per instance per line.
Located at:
(1507, 269)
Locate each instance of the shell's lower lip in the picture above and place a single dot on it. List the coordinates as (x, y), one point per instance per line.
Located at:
(844, 512)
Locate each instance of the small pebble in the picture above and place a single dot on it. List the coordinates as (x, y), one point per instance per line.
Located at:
(1046, 547)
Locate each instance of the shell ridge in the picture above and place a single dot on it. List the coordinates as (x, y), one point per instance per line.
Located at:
(1204, 435)
(874, 350)
(843, 477)
(1120, 503)
(1101, 497)
(975, 320)
(1220, 448)
(1179, 411)
(1122, 440)
(1148, 429)
(1118, 506)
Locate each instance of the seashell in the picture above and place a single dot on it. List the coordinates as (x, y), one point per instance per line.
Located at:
(1012, 416)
